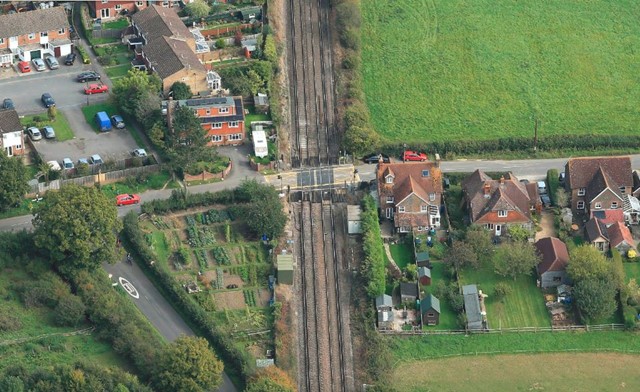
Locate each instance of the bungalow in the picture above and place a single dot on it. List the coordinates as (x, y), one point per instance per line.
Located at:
(12, 133)
(498, 204)
(554, 259)
(430, 310)
(34, 34)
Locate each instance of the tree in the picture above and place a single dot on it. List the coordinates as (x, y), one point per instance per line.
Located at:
(270, 52)
(562, 198)
(596, 298)
(360, 140)
(52, 112)
(266, 216)
(77, 226)
(587, 263)
(513, 259)
(181, 90)
(221, 43)
(412, 272)
(14, 181)
(11, 384)
(186, 141)
(188, 364)
(237, 38)
(501, 290)
(131, 91)
(480, 241)
(271, 379)
(148, 110)
(197, 9)
(69, 311)
(519, 233)
(461, 255)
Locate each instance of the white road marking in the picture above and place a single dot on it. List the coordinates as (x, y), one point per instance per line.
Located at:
(129, 288)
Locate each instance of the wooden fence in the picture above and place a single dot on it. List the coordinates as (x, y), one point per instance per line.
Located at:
(584, 328)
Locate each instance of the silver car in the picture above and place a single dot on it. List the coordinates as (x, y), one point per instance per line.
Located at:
(34, 133)
(38, 64)
(52, 62)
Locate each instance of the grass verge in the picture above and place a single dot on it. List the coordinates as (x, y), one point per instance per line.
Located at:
(60, 124)
(91, 110)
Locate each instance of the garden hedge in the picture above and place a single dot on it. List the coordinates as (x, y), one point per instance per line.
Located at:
(554, 183)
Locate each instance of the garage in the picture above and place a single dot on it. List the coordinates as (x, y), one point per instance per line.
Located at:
(35, 54)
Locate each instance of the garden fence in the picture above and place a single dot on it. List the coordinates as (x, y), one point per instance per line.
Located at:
(586, 328)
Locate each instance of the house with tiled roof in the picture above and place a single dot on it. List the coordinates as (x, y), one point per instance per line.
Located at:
(115, 8)
(12, 133)
(605, 237)
(222, 118)
(410, 195)
(34, 34)
(165, 46)
(498, 204)
(599, 184)
(554, 259)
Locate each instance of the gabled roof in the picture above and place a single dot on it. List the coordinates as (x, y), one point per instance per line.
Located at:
(619, 233)
(407, 187)
(422, 256)
(424, 271)
(608, 217)
(156, 21)
(409, 288)
(553, 253)
(472, 303)
(504, 194)
(595, 229)
(580, 171)
(9, 121)
(429, 302)
(408, 178)
(170, 55)
(601, 181)
(384, 300)
(37, 21)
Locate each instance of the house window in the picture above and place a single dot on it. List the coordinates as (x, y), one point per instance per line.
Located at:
(404, 229)
(425, 173)
(580, 205)
(401, 209)
(61, 31)
(195, 112)
(598, 206)
(32, 35)
(502, 213)
(424, 208)
(433, 210)
(216, 138)
(557, 278)
(216, 126)
(234, 124)
(118, 7)
(623, 189)
(235, 136)
(1, 40)
(431, 314)
(223, 110)
(435, 221)
(432, 196)
(489, 226)
(139, 3)
(44, 34)
(389, 199)
(389, 213)
(105, 1)
(207, 112)
(105, 13)
(420, 228)
(389, 179)
(165, 4)
(582, 191)
(614, 205)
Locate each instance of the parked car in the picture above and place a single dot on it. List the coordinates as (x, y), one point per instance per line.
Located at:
(139, 152)
(375, 158)
(117, 121)
(542, 187)
(52, 62)
(96, 89)
(49, 133)
(88, 76)
(83, 161)
(414, 156)
(561, 178)
(38, 64)
(96, 160)
(127, 199)
(48, 100)
(54, 165)
(8, 104)
(70, 59)
(67, 164)
(24, 67)
(34, 133)
(546, 201)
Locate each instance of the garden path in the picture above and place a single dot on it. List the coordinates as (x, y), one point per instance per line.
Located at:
(392, 262)
(546, 224)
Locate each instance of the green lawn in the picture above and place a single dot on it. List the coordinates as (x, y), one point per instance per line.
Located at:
(402, 254)
(447, 315)
(523, 307)
(484, 69)
(116, 24)
(249, 118)
(117, 71)
(60, 125)
(154, 181)
(160, 246)
(632, 270)
(91, 110)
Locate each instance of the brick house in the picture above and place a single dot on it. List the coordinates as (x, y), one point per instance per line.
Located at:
(167, 47)
(410, 195)
(554, 258)
(221, 117)
(33, 34)
(608, 237)
(498, 204)
(598, 184)
(106, 9)
(12, 133)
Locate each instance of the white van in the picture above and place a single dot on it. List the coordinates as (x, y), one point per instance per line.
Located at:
(542, 187)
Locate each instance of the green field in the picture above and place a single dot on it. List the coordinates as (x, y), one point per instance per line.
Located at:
(485, 69)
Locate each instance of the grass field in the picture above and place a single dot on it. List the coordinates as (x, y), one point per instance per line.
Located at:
(538, 372)
(523, 307)
(632, 270)
(485, 69)
(60, 125)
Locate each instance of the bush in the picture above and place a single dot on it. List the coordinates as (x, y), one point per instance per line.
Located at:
(502, 290)
(70, 311)
(84, 55)
(554, 183)
(9, 323)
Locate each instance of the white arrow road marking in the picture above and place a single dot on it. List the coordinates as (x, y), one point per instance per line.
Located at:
(128, 287)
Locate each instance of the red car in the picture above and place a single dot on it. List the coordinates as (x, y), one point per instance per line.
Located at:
(96, 89)
(414, 156)
(24, 66)
(126, 199)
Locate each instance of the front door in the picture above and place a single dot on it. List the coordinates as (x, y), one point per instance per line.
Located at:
(498, 230)
(9, 150)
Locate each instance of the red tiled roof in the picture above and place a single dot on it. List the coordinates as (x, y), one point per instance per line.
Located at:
(553, 253)
(504, 194)
(408, 178)
(608, 217)
(618, 233)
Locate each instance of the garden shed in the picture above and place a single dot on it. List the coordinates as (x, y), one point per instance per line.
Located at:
(284, 263)
(261, 103)
(422, 259)
(408, 291)
(353, 219)
(472, 306)
(424, 276)
(430, 310)
(250, 14)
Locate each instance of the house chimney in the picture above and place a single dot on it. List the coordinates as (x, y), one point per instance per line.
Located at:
(487, 189)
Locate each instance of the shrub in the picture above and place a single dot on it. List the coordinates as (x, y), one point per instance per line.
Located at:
(69, 311)
(502, 290)
(9, 323)
(554, 184)
(84, 55)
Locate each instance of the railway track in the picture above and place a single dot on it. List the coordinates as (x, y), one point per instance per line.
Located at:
(325, 352)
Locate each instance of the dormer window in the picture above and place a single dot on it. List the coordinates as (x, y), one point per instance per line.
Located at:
(388, 179)
(582, 191)
(597, 206)
(401, 209)
(389, 199)
(502, 213)
(614, 205)
(432, 196)
(425, 173)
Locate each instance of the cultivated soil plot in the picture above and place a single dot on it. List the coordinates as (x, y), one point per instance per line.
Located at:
(461, 69)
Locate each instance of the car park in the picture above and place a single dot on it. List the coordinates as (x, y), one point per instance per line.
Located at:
(117, 121)
(34, 133)
(88, 76)
(139, 152)
(96, 160)
(414, 156)
(49, 133)
(48, 100)
(127, 199)
(54, 165)
(24, 67)
(67, 164)
(52, 62)
(70, 59)
(8, 104)
(96, 89)
(375, 158)
(38, 64)
(83, 161)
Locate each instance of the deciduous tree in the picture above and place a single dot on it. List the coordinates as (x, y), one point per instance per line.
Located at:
(197, 9)
(13, 185)
(271, 379)
(587, 263)
(480, 241)
(596, 298)
(461, 255)
(513, 259)
(131, 91)
(181, 90)
(359, 140)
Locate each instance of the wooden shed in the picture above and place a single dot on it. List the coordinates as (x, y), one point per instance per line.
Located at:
(353, 219)
(422, 259)
(424, 276)
(430, 310)
(284, 264)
